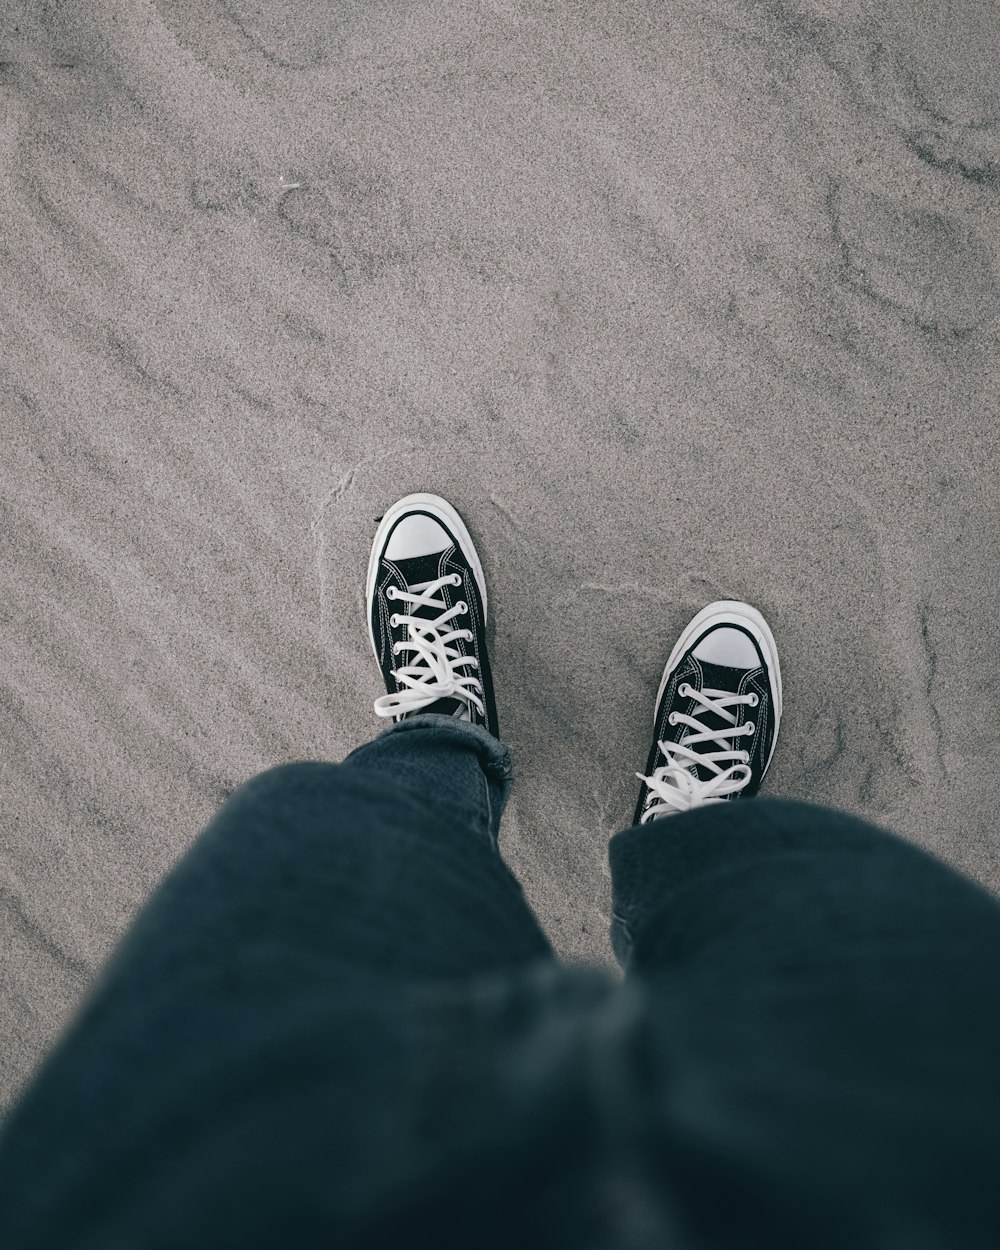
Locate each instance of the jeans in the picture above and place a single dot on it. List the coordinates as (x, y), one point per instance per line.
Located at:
(337, 1022)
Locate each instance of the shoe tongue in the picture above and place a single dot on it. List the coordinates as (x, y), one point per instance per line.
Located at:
(446, 707)
(721, 676)
(420, 569)
(416, 571)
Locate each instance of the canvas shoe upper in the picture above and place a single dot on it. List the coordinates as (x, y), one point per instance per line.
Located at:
(427, 614)
(717, 713)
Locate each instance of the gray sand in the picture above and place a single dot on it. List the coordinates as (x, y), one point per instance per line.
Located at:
(675, 302)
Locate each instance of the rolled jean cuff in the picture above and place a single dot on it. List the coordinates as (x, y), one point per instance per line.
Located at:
(437, 741)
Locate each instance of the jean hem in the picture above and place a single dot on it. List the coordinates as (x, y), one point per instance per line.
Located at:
(494, 755)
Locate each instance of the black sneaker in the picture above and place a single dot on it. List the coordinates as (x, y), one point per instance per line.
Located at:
(427, 615)
(724, 661)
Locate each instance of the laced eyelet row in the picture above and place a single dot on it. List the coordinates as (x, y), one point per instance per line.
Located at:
(392, 593)
(466, 634)
(748, 728)
(684, 690)
(463, 608)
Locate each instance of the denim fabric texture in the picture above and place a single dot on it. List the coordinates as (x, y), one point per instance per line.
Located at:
(337, 1022)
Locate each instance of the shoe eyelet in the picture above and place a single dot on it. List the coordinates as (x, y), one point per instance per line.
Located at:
(462, 606)
(390, 592)
(395, 648)
(393, 621)
(456, 579)
(749, 727)
(753, 701)
(746, 757)
(683, 690)
(672, 718)
(469, 635)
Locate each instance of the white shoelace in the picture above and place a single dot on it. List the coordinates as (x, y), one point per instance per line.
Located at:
(433, 673)
(689, 791)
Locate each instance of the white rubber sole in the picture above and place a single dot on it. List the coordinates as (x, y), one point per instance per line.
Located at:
(730, 612)
(437, 507)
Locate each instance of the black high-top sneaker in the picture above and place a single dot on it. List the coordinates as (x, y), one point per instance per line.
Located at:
(427, 615)
(717, 713)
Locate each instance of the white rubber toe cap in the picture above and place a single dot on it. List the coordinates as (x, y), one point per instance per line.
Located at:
(727, 646)
(416, 535)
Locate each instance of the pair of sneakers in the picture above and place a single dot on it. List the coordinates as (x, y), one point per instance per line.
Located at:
(427, 619)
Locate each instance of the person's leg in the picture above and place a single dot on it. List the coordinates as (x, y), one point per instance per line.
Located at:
(825, 1016)
(248, 1035)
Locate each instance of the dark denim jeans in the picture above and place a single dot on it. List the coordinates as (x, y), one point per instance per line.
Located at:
(337, 1022)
